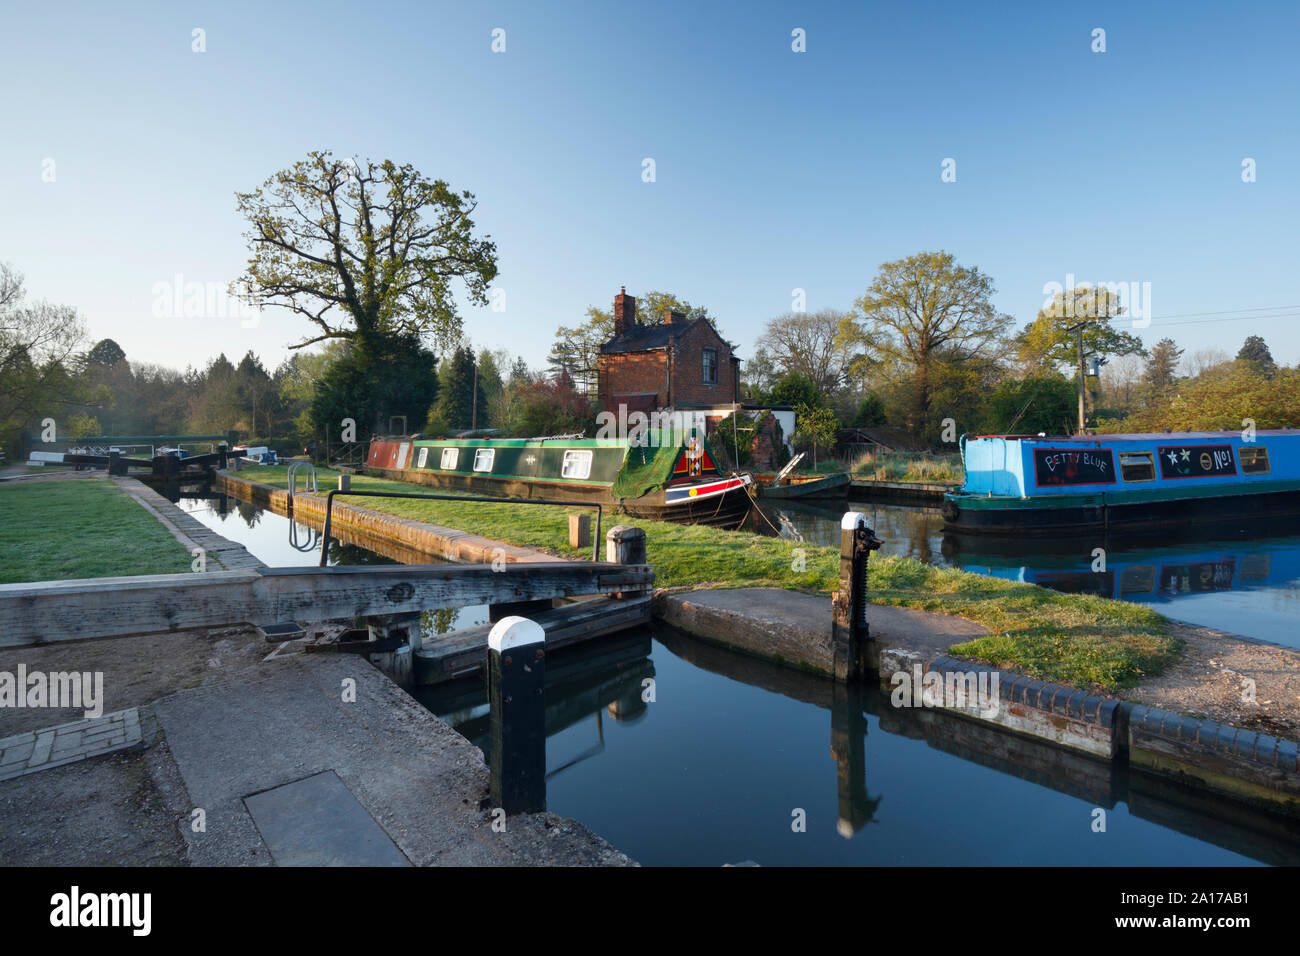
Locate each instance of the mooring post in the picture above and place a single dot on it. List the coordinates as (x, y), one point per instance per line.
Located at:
(345, 482)
(580, 531)
(516, 670)
(850, 634)
(625, 544)
(115, 466)
(398, 636)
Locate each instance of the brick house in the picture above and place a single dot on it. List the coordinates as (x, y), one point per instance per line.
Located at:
(679, 364)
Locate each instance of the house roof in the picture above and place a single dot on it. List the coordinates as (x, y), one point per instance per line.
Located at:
(643, 338)
(646, 338)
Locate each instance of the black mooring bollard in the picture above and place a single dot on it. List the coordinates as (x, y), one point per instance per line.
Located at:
(849, 605)
(516, 670)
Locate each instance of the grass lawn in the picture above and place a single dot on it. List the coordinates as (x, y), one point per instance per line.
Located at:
(1075, 639)
(80, 528)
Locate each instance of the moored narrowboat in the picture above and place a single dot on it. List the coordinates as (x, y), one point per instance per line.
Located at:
(1035, 485)
(671, 482)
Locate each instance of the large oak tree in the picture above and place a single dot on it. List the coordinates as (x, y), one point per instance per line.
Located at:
(926, 312)
(371, 252)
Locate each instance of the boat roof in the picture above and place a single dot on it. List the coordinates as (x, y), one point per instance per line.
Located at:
(1143, 436)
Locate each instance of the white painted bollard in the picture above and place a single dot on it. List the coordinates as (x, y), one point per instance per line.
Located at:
(516, 669)
(345, 482)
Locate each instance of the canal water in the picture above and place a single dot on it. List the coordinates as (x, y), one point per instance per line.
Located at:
(1244, 585)
(682, 753)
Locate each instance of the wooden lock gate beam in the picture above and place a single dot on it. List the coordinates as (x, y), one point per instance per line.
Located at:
(50, 611)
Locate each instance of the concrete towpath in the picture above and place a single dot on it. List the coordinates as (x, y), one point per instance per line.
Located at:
(305, 715)
(292, 758)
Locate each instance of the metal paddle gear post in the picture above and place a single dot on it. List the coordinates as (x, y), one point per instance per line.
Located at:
(849, 632)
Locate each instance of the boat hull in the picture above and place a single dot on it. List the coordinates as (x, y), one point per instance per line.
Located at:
(831, 486)
(727, 508)
(1090, 514)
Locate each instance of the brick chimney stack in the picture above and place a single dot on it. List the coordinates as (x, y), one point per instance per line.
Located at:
(624, 311)
(670, 317)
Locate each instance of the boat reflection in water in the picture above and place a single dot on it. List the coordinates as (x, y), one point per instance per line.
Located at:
(628, 785)
(1238, 577)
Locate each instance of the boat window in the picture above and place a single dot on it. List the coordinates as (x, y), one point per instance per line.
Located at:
(483, 459)
(1254, 461)
(577, 464)
(1137, 466)
(424, 457)
(449, 456)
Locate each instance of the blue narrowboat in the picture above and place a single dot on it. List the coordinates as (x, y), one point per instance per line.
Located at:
(1035, 485)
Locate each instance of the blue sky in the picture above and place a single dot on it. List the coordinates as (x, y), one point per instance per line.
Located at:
(775, 170)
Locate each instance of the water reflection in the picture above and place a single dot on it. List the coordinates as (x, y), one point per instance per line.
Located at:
(1245, 582)
(709, 771)
(281, 542)
(606, 681)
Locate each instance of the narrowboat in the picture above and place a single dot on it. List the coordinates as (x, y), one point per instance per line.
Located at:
(670, 482)
(824, 486)
(1034, 485)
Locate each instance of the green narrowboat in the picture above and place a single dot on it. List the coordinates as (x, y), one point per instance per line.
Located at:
(670, 482)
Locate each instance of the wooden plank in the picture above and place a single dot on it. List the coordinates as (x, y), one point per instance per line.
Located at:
(463, 652)
(46, 612)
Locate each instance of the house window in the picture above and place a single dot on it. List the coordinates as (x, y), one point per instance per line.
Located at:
(1254, 461)
(710, 366)
(424, 457)
(577, 464)
(449, 456)
(1137, 466)
(483, 459)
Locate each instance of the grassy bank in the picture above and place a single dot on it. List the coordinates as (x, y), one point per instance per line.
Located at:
(80, 528)
(941, 469)
(1075, 639)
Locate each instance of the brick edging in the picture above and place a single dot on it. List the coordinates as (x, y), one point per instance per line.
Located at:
(1244, 764)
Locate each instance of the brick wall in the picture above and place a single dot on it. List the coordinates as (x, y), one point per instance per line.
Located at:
(626, 373)
(631, 373)
(764, 452)
(688, 368)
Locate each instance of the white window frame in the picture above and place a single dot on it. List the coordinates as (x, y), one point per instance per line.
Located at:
(576, 464)
(424, 457)
(450, 456)
(491, 454)
(1135, 457)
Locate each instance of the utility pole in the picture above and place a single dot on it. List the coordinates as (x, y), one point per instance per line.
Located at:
(473, 417)
(1078, 329)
